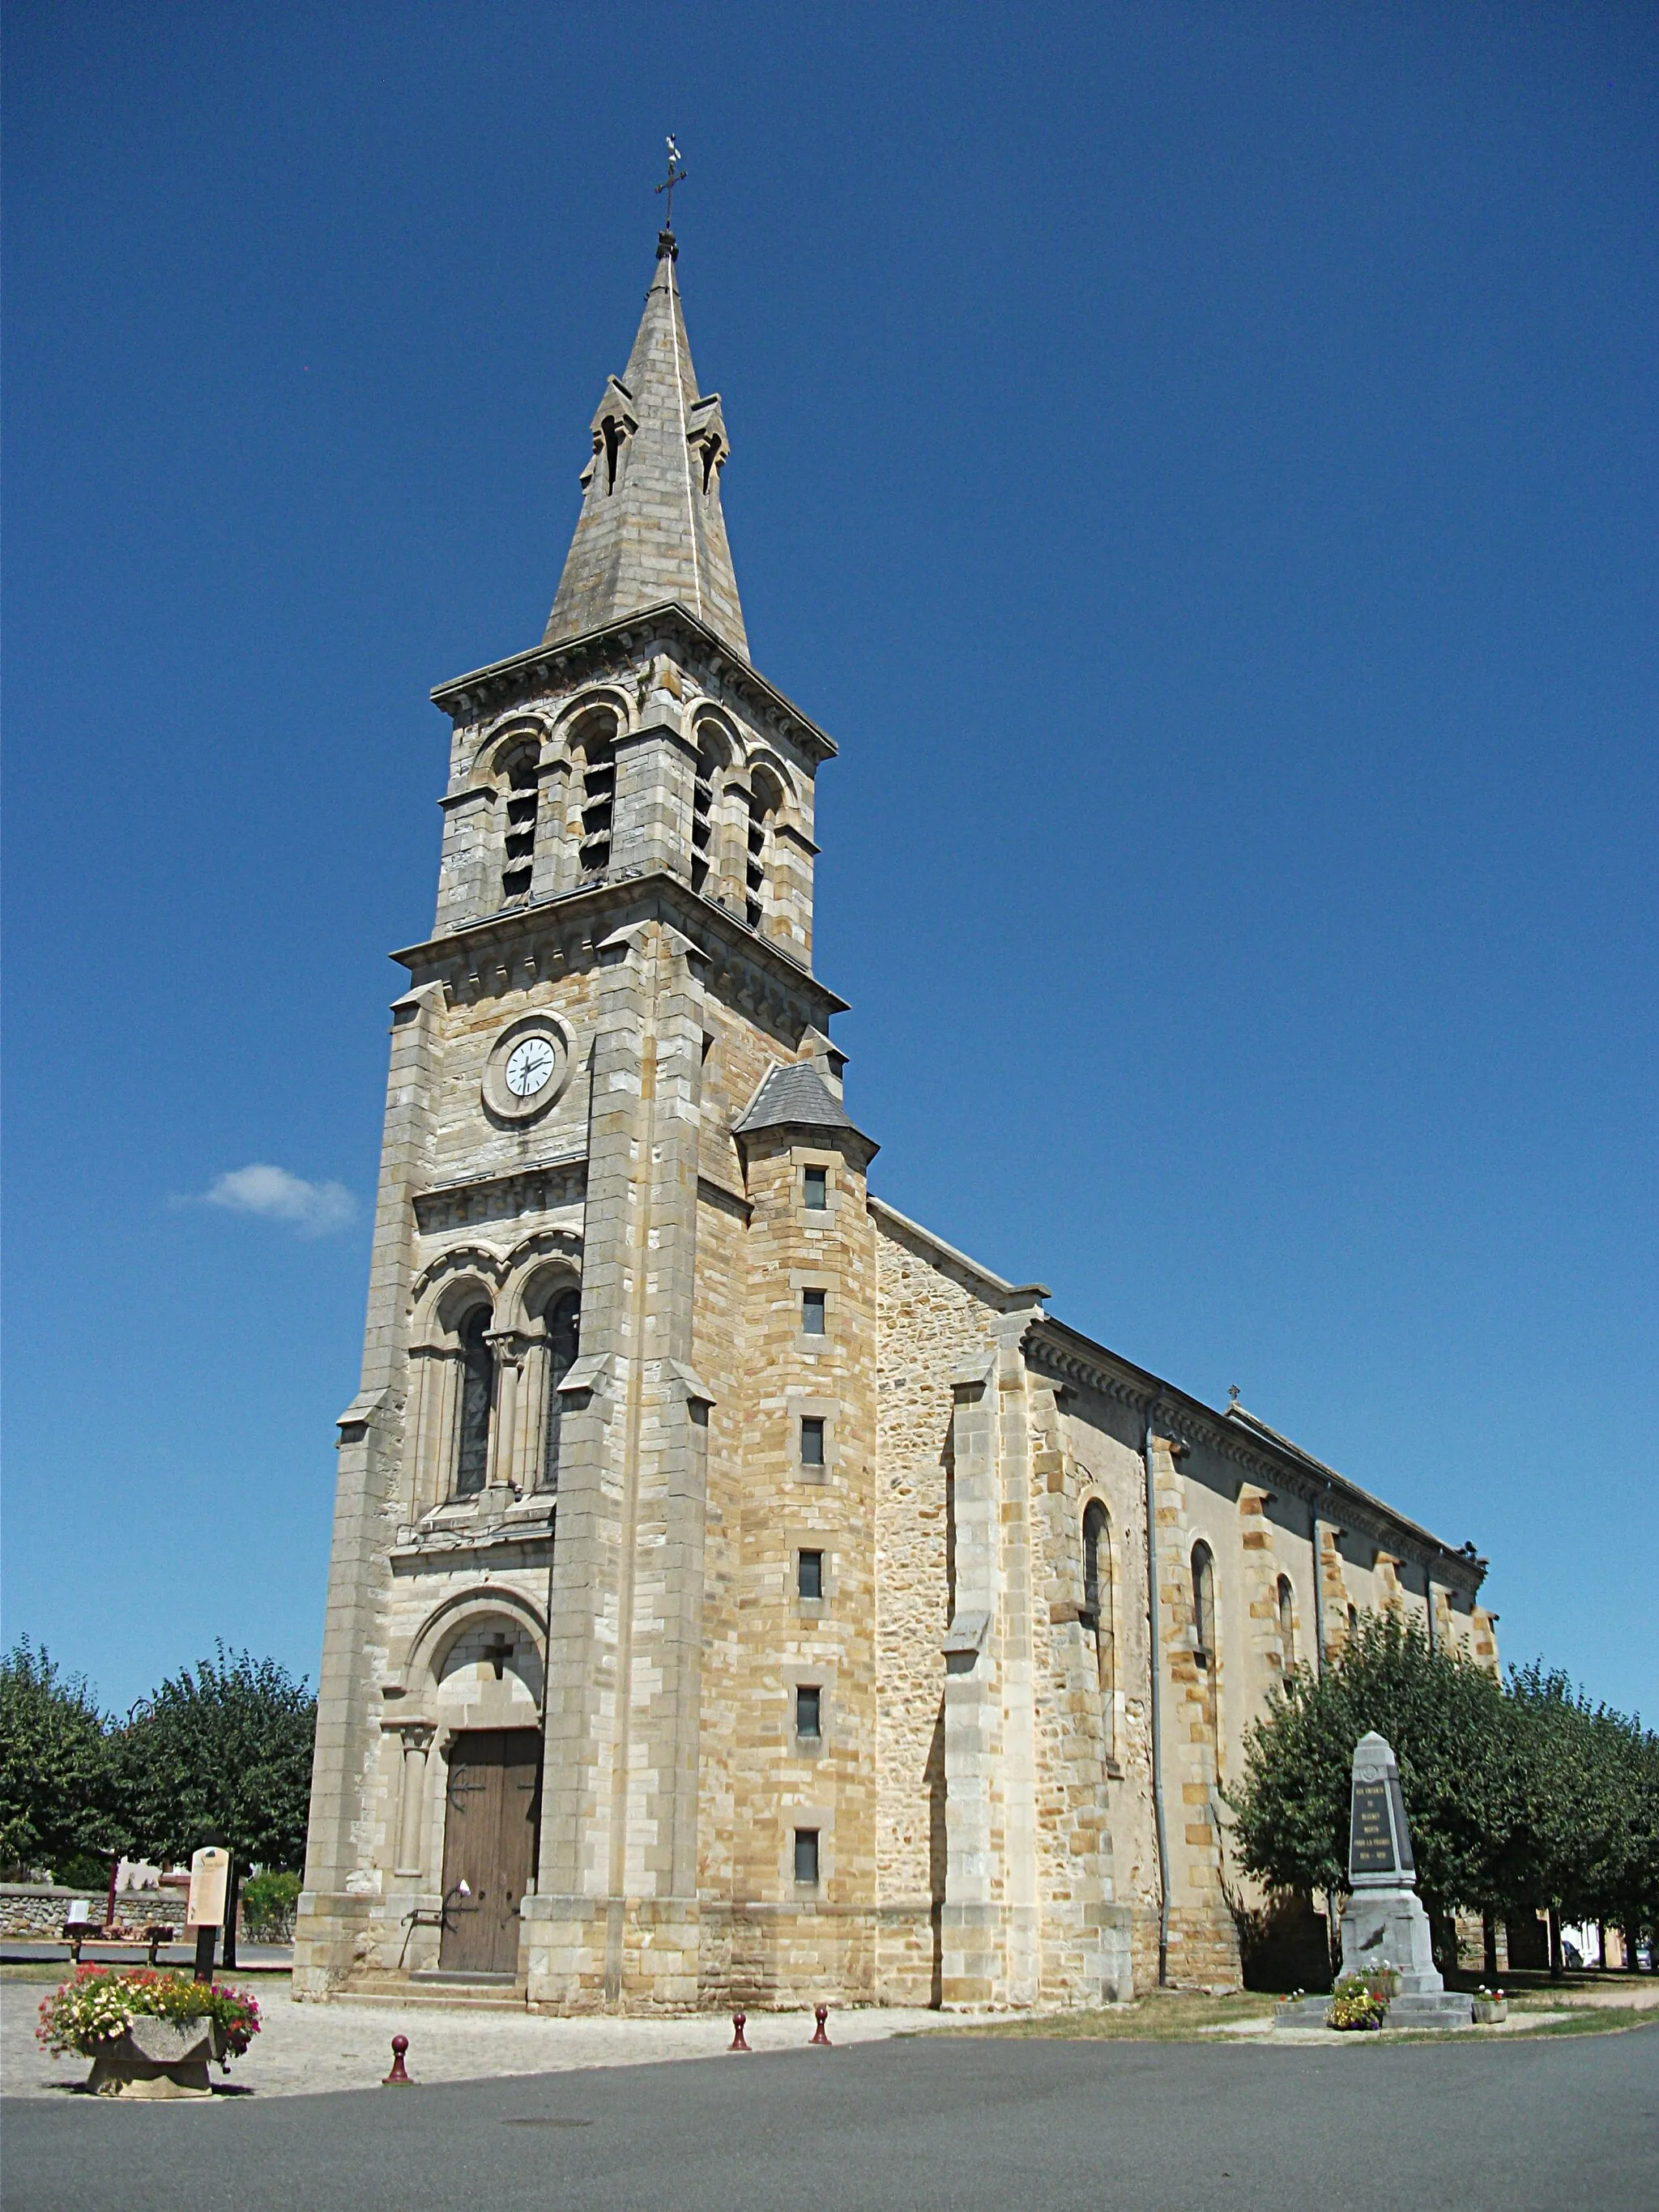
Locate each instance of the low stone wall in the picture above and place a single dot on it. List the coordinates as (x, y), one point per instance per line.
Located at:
(36, 1909)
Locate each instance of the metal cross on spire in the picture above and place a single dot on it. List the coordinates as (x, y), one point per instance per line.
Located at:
(676, 176)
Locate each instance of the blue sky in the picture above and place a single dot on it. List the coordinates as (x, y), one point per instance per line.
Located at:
(1199, 462)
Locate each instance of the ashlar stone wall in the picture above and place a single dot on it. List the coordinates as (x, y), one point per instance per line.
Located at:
(767, 1936)
(1102, 1819)
(998, 1701)
(930, 1321)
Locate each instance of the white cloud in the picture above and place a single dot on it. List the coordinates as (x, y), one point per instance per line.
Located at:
(314, 1208)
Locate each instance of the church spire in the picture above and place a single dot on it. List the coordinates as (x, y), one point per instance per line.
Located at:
(651, 527)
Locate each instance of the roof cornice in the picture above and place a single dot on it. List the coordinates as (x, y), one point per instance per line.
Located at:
(486, 688)
(650, 895)
(1069, 1357)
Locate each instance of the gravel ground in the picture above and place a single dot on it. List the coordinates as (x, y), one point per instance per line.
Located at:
(304, 2049)
(310, 2050)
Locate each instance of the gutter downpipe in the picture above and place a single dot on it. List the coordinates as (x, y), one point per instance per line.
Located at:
(1314, 1511)
(1157, 1708)
(1319, 1588)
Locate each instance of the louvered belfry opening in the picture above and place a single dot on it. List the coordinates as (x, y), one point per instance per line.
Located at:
(702, 817)
(764, 797)
(520, 848)
(598, 794)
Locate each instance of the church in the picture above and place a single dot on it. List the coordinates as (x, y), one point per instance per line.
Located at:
(738, 1594)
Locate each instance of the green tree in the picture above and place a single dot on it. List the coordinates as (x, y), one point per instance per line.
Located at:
(1591, 1850)
(1637, 1908)
(222, 1749)
(1517, 1796)
(1564, 1849)
(57, 1798)
(1445, 1717)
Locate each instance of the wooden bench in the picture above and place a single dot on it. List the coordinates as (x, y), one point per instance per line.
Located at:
(77, 1932)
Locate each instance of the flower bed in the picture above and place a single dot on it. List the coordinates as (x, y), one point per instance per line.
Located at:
(95, 2015)
(1360, 2000)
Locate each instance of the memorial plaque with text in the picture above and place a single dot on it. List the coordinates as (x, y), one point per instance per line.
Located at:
(1371, 1835)
(1402, 1831)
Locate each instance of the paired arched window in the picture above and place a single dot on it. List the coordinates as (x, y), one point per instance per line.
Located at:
(1203, 1603)
(1286, 1603)
(486, 1416)
(519, 846)
(477, 1394)
(564, 1323)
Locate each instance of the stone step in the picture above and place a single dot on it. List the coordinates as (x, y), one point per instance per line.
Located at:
(460, 1979)
(448, 1994)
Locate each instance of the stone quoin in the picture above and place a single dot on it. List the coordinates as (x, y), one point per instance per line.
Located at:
(738, 1596)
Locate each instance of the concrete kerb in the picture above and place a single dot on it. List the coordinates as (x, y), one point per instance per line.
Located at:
(1271, 2035)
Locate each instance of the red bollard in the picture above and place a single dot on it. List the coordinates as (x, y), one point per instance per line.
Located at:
(739, 2020)
(821, 2013)
(398, 2077)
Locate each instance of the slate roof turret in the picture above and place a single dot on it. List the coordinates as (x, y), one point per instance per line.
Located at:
(795, 1096)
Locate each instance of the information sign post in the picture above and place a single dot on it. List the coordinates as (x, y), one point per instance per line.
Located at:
(209, 1878)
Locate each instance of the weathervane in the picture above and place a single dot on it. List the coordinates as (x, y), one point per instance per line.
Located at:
(676, 176)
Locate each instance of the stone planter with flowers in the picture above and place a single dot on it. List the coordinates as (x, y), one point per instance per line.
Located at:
(158, 2058)
(147, 2034)
(1491, 2005)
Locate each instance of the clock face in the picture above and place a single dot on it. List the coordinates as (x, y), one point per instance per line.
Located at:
(527, 1069)
(530, 1067)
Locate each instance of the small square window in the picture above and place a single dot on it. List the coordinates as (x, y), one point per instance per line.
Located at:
(809, 1704)
(809, 1574)
(811, 1440)
(806, 1855)
(812, 1313)
(816, 1183)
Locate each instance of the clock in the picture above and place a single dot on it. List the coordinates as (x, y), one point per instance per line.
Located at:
(527, 1068)
(530, 1067)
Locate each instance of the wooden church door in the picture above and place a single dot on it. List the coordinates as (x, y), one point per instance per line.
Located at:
(489, 1844)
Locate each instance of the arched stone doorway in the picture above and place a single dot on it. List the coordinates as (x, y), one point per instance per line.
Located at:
(487, 1695)
(491, 1820)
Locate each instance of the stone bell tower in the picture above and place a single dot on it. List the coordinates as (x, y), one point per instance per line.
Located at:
(617, 1380)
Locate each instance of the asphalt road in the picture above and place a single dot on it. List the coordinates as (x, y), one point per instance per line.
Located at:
(959, 2124)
